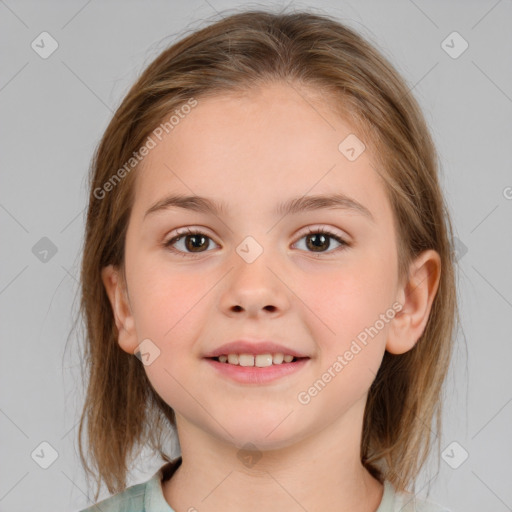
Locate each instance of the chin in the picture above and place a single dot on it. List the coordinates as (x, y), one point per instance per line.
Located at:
(268, 434)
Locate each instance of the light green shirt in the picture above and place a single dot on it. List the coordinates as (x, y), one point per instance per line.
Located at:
(148, 497)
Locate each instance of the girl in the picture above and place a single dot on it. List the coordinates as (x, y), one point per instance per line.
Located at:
(267, 270)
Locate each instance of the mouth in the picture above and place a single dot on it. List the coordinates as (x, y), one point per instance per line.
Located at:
(256, 369)
(256, 360)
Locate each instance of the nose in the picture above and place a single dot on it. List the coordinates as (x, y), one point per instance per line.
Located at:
(255, 289)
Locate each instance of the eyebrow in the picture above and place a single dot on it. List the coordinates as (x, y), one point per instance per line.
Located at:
(291, 206)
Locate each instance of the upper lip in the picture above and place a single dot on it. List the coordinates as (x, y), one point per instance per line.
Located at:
(254, 348)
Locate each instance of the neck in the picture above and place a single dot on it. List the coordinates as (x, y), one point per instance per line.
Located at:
(313, 474)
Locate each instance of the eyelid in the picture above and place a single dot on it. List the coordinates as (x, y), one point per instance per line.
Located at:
(187, 230)
(327, 229)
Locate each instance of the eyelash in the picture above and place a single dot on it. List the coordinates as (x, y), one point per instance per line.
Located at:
(192, 232)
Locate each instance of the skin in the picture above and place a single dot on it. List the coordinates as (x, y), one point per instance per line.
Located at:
(253, 151)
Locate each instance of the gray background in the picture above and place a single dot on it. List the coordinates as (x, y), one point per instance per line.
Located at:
(53, 113)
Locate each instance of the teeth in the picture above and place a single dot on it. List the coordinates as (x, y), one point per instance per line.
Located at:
(246, 360)
(260, 360)
(263, 360)
(277, 358)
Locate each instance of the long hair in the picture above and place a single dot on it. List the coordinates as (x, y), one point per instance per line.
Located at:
(240, 51)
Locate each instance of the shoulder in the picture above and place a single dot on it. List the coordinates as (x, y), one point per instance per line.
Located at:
(406, 502)
(129, 500)
(144, 497)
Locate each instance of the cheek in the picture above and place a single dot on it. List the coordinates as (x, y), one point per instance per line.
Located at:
(350, 298)
(168, 311)
(164, 299)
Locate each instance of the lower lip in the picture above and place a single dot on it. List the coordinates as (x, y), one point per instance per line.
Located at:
(255, 374)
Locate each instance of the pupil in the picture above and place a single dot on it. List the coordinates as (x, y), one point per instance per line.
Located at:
(320, 239)
(195, 245)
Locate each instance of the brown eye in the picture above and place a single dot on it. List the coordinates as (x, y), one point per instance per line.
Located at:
(191, 242)
(319, 241)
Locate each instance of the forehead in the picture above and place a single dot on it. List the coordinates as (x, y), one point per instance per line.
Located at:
(259, 147)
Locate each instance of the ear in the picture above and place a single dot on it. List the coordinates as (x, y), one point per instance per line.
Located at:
(118, 296)
(416, 295)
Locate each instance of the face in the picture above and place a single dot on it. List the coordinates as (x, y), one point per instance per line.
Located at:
(317, 281)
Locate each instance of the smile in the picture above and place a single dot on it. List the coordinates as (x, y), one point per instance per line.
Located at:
(259, 360)
(256, 369)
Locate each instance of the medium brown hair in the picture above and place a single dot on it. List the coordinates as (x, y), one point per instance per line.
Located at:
(250, 49)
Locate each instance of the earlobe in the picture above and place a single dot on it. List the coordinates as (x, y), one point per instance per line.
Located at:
(115, 288)
(416, 297)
